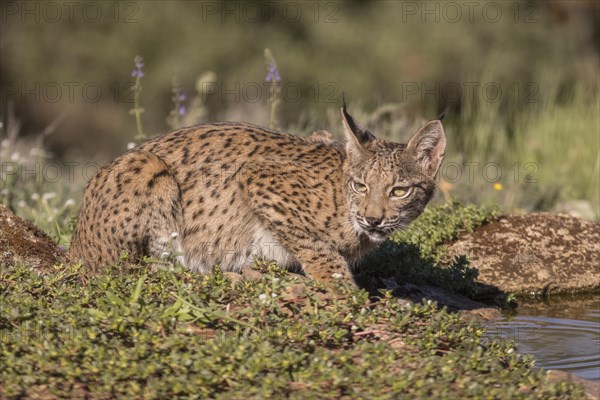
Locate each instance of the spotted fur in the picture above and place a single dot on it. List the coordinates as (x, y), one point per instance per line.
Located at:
(226, 193)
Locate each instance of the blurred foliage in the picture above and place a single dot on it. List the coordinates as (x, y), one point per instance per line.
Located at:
(316, 44)
(520, 78)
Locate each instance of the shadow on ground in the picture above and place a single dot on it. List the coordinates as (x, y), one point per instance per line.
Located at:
(402, 269)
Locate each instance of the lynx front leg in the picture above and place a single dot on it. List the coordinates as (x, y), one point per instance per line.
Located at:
(324, 266)
(319, 260)
(292, 206)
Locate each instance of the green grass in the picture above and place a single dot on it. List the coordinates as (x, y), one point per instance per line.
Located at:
(138, 333)
(546, 151)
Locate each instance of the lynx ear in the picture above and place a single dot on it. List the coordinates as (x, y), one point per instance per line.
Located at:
(356, 135)
(428, 146)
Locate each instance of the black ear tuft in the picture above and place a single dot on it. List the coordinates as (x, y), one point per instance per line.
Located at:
(443, 114)
(361, 134)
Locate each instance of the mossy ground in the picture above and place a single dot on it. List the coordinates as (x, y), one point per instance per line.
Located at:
(160, 331)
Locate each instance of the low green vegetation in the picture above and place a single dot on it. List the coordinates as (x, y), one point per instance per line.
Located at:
(159, 332)
(438, 225)
(417, 255)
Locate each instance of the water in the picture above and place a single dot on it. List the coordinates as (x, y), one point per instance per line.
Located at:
(562, 333)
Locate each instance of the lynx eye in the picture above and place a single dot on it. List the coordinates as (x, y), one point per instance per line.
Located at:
(358, 187)
(401, 192)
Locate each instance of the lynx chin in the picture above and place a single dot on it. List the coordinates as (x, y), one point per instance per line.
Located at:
(228, 193)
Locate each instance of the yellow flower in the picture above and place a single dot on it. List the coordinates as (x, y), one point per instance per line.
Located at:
(498, 186)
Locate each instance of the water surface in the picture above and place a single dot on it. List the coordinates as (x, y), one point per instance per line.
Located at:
(561, 333)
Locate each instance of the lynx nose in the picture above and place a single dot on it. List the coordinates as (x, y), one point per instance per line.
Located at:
(373, 221)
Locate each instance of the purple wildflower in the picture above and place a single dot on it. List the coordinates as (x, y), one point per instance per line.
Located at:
(178, 98)
(273, 75)
(139, 63)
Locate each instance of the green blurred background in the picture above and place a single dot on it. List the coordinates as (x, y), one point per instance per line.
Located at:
(520, 79)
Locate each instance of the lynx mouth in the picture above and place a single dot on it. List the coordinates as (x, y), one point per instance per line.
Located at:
(374, 234)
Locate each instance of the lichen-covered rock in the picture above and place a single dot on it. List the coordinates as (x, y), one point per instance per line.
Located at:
(533, 253)
(21, 242)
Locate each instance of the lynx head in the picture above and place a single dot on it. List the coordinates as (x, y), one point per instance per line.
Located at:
(389, 184)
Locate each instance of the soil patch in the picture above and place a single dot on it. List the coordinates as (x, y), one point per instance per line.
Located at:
(21, 242)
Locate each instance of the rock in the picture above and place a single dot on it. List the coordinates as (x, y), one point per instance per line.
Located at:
(247, 273)
(251, 274)
(296, 291)
(21, 242)
(234, 277)
(534, 253)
